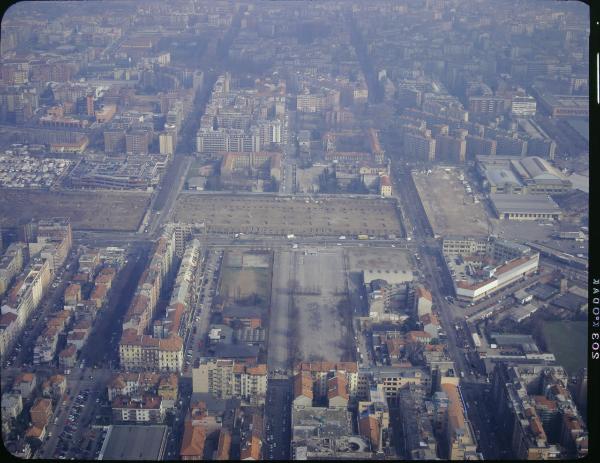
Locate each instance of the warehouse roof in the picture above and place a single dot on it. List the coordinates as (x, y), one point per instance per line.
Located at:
(135, 443)
(524, 203)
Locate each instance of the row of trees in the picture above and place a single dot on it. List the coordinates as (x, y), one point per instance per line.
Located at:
(328, 183)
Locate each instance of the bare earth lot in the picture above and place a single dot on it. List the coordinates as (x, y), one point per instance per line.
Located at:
(378, 259)
(274, 215)
(450, 210)
(88, 210)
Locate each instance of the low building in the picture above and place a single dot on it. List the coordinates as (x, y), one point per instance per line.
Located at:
(68, 356)
(40, 412)
(385, 186)
(302, 395)
(224, 378)
(500, 277)
(460, 437)
(55, 386)
(193, 442)
(224, 445)
(529, 175)
(145, 409)
(25, 383)
(525, 207)
(126, 442)
(325, 433)
(321, 372)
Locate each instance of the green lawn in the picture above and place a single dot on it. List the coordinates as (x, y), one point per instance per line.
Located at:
(568, 342)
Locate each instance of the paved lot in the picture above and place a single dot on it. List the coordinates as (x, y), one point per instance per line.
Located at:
(532, 230)
(278, 215)
(311, 315)
(320, 309)
(449, 208)
(88, 210)
(392, 264)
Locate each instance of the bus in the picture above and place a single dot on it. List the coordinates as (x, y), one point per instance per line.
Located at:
(363, 237)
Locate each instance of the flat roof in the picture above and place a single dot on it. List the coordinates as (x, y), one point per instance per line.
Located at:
(498, 175)
(543, 291)
(569, 301)
(524, 203)
(142, 442)
(509, 339)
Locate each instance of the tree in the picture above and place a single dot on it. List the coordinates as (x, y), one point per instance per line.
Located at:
(357, 186)
(273, 185)
(213, 183)
(327, 182)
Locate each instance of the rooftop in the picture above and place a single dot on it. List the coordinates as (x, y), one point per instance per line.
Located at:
(135, 443)
(525, 203)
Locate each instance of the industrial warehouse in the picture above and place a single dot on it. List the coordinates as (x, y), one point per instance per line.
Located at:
(480, 267)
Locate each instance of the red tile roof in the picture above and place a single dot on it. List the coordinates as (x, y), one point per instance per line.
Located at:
(194, 438)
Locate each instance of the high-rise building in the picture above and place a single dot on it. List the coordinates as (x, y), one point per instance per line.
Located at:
(114, 139)
(420, 145)
(138, 142)
(166, 144)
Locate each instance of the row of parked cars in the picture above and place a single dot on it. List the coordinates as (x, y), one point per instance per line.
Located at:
(72, 426)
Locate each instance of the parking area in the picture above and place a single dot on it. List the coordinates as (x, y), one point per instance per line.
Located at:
(452, 207)
(311, 318)
(282, 215)
(88, 210)
(72, 433)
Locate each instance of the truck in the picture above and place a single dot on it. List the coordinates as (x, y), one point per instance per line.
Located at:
(476, 340)
(342, 237)
(363, 237)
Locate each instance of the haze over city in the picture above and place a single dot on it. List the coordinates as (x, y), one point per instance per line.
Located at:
(295, 230)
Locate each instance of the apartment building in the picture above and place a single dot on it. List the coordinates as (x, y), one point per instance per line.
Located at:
(54, 239)
(419, 145)
(458, 430)
(145, 409)
(11, 264)
(527, 396)
(23, 298)
(138, 352)
(391, 380)
(321, 372)
(225, 379)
